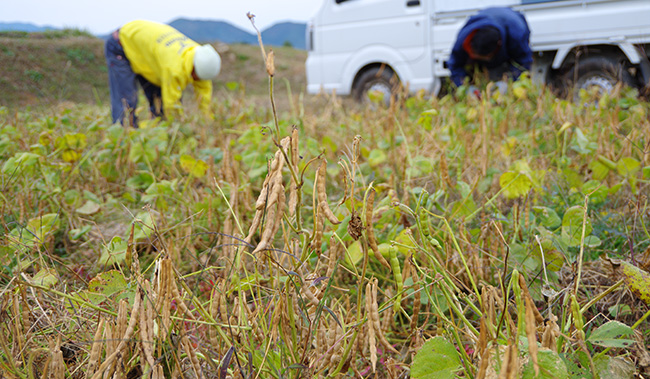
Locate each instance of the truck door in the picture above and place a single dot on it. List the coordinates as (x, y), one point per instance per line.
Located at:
(354, 33)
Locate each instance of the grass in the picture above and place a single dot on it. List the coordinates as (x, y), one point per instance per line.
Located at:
(438, 236)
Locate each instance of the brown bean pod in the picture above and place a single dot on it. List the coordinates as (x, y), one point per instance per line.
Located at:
(370, 233)
(322, 194)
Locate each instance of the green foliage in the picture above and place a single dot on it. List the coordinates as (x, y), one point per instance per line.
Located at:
(611, 334)
(33, 75)
(551, 366)
(472, 200)
(437, 358)
(79, 55)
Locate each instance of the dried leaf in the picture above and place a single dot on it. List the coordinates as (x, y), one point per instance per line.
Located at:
(636, 279)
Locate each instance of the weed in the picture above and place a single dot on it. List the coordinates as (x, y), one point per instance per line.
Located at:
(436, 237)
(33, 75)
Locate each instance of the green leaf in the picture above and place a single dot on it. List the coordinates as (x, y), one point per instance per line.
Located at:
(75, 234)
(376, 157)
(551, 366)
(646, 172)
(611, 334)
(596, 190)
(627, 166)
(114, 252)
(89, 208)
(572, 225)
(553, 258)
(437, 359)
(140, 181)
(582, 144)
(614, 367)
(547, 217)
(354, 254)
(195, 167)
(107, 283)
(515, 184)
(19, 162)
(72, 141)
(599, 170)
(592, 241)
(46, 277)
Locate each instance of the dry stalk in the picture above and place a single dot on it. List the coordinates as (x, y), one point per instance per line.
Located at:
(550, 334)
(322, 194)
(147, 336)
(310, 294)
(57, 366)
(319, 221)
(538, 316)
(125, 339)
(223, 304)
(277, 316)
(122, 317)
(375, 320)
(19, 326)
(333, 256)
(416, 301)
(95, 349)
(387, 322)
(370, 232)
(231, 175)
(531, 327)
(176, 295)
(271, 201)
(484, 352)
(321, 344)
(329, 344)
(510, 366)
(335, 342)
(194, 361)
(215, 305)
(294, 194)
(163, 297)
(371, 309)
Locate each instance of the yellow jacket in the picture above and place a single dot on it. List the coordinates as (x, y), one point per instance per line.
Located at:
(165, 57)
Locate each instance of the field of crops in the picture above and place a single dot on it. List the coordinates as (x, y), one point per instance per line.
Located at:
(435, 238)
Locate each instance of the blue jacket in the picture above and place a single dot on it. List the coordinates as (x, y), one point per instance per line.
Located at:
(515, 47)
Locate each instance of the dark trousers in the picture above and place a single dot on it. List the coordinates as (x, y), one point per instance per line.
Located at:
(122, 82)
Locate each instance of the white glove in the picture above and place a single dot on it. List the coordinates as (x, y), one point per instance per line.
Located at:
(502, 87)
(473, 92)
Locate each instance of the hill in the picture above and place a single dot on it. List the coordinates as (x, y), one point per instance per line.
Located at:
(209, 31)
(281, 34)
(23, 27)
(286, 33)
(45, 69)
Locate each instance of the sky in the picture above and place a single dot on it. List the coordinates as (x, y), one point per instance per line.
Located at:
(102, 17)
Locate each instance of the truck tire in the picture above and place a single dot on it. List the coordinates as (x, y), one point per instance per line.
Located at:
(381, 79)
(600, 72)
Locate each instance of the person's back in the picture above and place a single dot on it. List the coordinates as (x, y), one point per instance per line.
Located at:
(155, 50)
(163, 61)
(512, 53)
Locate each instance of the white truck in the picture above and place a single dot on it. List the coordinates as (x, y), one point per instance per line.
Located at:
(355, 46)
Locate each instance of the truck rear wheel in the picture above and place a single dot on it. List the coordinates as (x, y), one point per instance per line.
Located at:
(380, 79)
(598, 74)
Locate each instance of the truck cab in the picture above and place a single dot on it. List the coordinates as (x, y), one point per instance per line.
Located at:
(357, 46)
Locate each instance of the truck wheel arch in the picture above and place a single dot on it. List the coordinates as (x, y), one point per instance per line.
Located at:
(372, 74)
(573, 62)
(626, 49)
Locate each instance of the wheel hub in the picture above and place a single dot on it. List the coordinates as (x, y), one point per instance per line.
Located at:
(603, 84)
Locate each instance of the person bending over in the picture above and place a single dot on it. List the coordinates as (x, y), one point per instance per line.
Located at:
(495, 39)
(163, 61)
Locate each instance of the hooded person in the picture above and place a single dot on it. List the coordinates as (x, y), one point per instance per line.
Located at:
(496, 39)
(164, 62)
